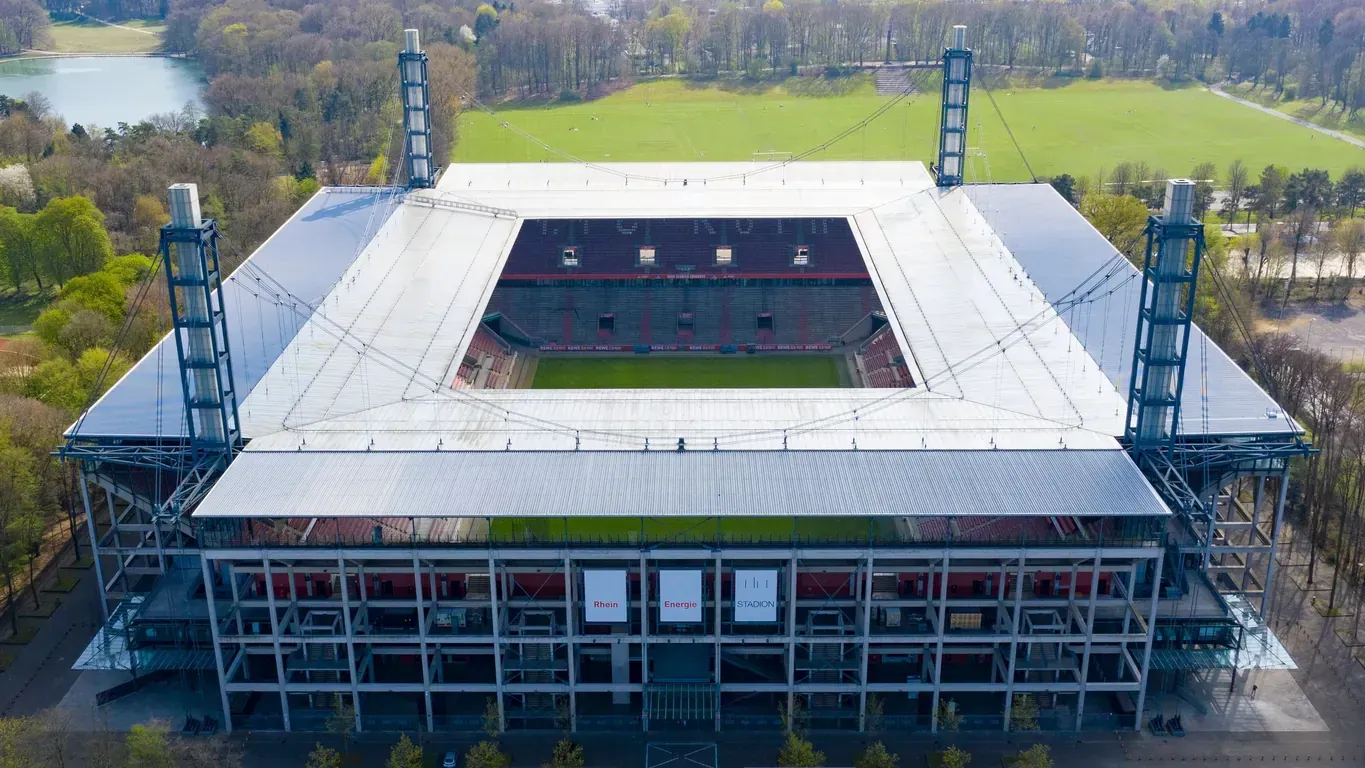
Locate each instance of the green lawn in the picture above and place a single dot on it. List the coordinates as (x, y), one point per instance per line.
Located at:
(1312, 110)
(86, 36)
(17, 312)
(1077, 128)
(735, 530)
(644, 372)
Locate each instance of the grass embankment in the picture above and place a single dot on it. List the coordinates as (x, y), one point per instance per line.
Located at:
(1079, 128)
(777, 372)
(89, 36)
(1312, 110)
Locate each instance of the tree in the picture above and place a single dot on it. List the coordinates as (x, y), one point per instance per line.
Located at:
(1351, 243)
(17, 736)
(492, 719)
(16, 186)
(341, 722)
(53, 741)
(876, 756)
(74, 241)
(324, 757)
(1122, 221)
(485, 21)
(947, 715)
(1036, 756)
(1065, 186)
(1308, 188)
(566, 755)
(20, 248)
(1024, 713)
(1236, 188)
(99, 291)
(148, 747)
(18, 489)
(1205, 177)
(952, 757)
(149, 215)
(486, 754)
(797, 752)
(404, 754)
(874, 719)
(1270, 190)
(1351, 190)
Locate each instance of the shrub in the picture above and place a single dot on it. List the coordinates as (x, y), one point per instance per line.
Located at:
(566, 755)
(486, 754)
(876, 756)
(569, 96)
(799, 753)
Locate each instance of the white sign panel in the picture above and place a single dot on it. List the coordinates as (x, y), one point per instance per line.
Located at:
(679, 596)
(756, 595)
(604, 597)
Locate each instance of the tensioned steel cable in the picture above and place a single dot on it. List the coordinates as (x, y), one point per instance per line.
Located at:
(991, 97)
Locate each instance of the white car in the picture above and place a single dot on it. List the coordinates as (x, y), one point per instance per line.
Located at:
(449, 761)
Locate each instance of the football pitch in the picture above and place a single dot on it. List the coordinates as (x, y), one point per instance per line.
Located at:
(687, 372)
(1077, 128)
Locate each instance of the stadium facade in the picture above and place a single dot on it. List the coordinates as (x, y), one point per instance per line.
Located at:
(1032, 478)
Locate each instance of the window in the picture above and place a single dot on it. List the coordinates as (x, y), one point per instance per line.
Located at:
(568, 256)
(646, 256)
(606, 323)
(765, 321)
(801, 256)
(725, 255)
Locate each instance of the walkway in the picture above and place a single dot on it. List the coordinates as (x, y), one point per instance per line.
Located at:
(1349, 139)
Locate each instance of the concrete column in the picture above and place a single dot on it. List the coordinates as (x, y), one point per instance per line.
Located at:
(716, 605)
(644, 641)
(236, 596)
(1089, 633)
(1266, 600)
(350, 641)
(217, 648)
(791, 641)
(497, 639)
(942, 619)
(1014, 641)
(572, 649)
(275, 639)
(867, 626)
(422, 638)
(1254, 534)
(1147, 647)
(94, 544)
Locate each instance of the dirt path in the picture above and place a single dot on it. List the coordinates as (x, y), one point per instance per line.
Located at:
(1218, 89)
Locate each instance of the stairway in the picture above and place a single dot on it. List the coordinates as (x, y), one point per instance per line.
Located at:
(825, 654)
(892, 81)
(537, 658)
(323, 652)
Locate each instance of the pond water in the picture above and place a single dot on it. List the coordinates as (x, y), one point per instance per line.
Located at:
(106, 90)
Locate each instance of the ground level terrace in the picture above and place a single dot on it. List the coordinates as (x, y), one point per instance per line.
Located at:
(609, 637)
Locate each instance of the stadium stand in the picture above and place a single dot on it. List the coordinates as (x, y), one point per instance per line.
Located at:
(611, 249)
(651, 313)
(881, 363)
(487, 363)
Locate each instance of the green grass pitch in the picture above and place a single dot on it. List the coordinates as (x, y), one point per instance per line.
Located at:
(1078, 128)
(683, 530)
(645, 372)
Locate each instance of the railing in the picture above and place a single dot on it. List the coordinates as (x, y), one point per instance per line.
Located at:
(855, 532)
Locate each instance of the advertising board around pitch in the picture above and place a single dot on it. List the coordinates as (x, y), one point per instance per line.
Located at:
(604, 597)
(756, 595)
(680, 596)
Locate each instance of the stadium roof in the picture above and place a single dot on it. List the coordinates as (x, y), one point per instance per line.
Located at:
(348, 324)
(692, 483)
(308, 253)
(1037, 226)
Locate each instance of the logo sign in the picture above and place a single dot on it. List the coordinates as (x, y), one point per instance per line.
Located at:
(679, 596)
(756, 595)
(604, 597)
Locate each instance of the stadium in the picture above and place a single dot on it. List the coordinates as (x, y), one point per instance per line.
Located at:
(684, 446)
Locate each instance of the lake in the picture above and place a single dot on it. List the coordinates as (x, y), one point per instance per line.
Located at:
(106, 90)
